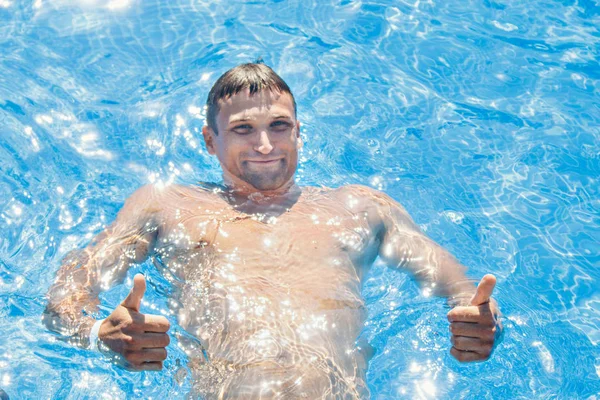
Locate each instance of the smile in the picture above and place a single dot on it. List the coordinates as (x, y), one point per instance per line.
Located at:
(265, 162)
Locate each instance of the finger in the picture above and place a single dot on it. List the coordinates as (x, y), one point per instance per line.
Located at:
(155, 323)
(477, 345)
(467, 356)
(473, 330)
(134, 299)
(146, 366)
(484, 290)
(481, 314)
(145, 355)
(149, 340)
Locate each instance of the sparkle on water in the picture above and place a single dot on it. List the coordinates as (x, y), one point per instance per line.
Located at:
(481, 117)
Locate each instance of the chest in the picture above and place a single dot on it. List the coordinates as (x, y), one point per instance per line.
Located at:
(306, 241)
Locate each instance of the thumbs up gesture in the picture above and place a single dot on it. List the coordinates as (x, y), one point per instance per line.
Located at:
(474, 327)
(139, 338)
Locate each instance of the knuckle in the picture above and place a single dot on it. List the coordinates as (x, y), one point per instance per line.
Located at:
(136, 327)
(132, 366)
(136, 321)
(137, 356)
(137, 367)
(457, 354)
(127, 326)
(459, 343)
(128, 340)
(129, 356)
(454, 352)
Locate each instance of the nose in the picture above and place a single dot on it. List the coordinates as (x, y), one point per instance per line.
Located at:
(264, 145)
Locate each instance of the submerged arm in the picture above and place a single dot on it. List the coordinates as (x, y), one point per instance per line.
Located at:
(474, 319)
(404, 246)
(73, 298)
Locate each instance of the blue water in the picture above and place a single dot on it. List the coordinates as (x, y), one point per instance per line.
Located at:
(481, 117)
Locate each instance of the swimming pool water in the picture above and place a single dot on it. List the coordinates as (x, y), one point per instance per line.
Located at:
(481, 117)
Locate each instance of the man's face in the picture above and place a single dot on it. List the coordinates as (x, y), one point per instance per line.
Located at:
(258, 139)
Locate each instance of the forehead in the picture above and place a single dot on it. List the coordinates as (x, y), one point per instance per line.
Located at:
(264, 103)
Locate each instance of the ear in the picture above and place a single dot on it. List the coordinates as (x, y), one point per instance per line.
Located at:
(299, 141)
(209, 139)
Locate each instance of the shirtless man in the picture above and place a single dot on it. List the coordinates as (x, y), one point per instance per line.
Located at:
(266, 275)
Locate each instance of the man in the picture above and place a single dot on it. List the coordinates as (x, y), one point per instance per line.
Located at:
(266, 275)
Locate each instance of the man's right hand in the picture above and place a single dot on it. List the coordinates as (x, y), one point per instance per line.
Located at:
(140, 338)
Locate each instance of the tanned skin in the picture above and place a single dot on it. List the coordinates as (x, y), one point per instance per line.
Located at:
(266, 275)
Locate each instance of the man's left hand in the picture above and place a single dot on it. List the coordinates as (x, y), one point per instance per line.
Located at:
(474, 327)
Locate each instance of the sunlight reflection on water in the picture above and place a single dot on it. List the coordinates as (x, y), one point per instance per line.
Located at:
(478, 117)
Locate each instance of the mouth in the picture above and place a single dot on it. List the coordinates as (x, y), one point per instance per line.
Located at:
(264, 162)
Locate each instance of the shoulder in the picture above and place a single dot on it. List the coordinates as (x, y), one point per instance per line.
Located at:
(160, 190)
(359, 199)
(141, 205)
(159, 203)
(375, 203)
(149, 194)
(364, 195)
(154, 198)
(145, 191)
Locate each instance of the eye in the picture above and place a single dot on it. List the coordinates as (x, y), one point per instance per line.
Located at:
(242, 129)
(281, 126)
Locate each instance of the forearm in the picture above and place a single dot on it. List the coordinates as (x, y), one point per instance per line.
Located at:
(76, 328)
(431, 265)
(73, 299)
(449, 277)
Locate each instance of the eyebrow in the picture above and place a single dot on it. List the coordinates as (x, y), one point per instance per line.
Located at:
(241, 119)
(245, 119)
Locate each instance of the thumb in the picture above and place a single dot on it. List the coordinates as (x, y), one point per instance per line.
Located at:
(484, 290)
(134, 299)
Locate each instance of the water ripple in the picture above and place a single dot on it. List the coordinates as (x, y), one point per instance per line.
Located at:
(481, 117)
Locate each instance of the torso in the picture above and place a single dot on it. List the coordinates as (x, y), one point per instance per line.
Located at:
(272, 298)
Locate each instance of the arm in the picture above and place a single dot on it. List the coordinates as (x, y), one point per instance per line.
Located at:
(473, 320)
(405, 247)
(73, 298)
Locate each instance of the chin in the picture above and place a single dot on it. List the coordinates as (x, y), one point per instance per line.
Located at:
(266, 180)
(266, 183)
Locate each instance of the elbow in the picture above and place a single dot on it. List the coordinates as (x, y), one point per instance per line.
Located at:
(51, 318)
(48, 317)
(144, 247)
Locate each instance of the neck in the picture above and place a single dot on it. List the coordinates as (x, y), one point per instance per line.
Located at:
(242, 189)
(263, 203)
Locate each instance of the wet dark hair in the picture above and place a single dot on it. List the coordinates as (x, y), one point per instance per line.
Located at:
(254, 76)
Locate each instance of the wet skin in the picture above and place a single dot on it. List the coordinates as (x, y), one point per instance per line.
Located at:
(266, 275)
(269, 292)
